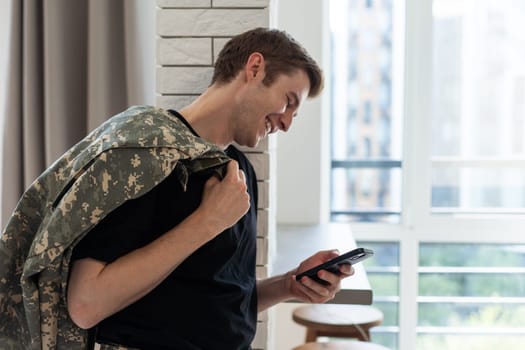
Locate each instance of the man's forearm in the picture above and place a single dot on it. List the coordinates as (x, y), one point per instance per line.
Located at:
(273, 290)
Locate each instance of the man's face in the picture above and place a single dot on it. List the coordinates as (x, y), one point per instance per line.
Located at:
(268, 109)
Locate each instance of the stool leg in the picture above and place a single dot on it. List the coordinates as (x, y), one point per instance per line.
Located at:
(311, 335)
(364, 335)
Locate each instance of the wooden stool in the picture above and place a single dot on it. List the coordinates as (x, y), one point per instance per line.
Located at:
(337, 320)
(343, 345)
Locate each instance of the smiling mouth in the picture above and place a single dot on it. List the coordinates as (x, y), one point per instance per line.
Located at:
(269, 127)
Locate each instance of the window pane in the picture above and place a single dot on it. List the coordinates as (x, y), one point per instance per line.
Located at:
(472, 255)
(384, 284)
(478, 105)
(383, 274)
(468, 342)
(370, 194)
(468, 189)
(480, 284)
(471, 315)
(469, 290)
(365, 122)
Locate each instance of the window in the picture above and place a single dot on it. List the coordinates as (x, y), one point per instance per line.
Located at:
(477, 107)
(473, 303)
(366, 151)
(383, 275)
(428, 161)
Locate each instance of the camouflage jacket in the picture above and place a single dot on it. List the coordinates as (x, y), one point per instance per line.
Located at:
(120, 160)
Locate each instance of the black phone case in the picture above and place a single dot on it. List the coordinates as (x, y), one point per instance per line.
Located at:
(352, 257)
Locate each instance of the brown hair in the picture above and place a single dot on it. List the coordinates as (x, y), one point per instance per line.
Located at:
(282, 54)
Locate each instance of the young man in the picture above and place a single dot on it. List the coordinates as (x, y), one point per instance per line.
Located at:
(173, 266)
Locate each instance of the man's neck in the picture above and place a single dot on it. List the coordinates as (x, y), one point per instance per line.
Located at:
(210, 115)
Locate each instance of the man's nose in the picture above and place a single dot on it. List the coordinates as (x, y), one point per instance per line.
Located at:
(285, 120)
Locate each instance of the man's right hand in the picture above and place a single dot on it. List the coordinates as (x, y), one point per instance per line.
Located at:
(225, 202)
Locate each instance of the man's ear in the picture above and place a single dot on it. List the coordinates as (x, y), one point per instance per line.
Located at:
(255, 66)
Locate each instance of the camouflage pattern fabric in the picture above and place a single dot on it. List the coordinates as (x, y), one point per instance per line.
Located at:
(120, 160)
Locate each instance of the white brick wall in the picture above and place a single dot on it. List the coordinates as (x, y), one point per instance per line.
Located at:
(209, 22)
(184, 51)
(191, 33)
(183, 3)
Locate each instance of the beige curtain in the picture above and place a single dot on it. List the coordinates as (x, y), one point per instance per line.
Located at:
(72, 64)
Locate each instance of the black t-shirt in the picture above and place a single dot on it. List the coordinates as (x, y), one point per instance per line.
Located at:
(209, 301)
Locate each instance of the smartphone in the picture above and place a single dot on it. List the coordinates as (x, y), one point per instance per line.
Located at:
(352, 257)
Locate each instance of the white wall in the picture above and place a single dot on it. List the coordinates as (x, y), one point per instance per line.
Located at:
(302, 156)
